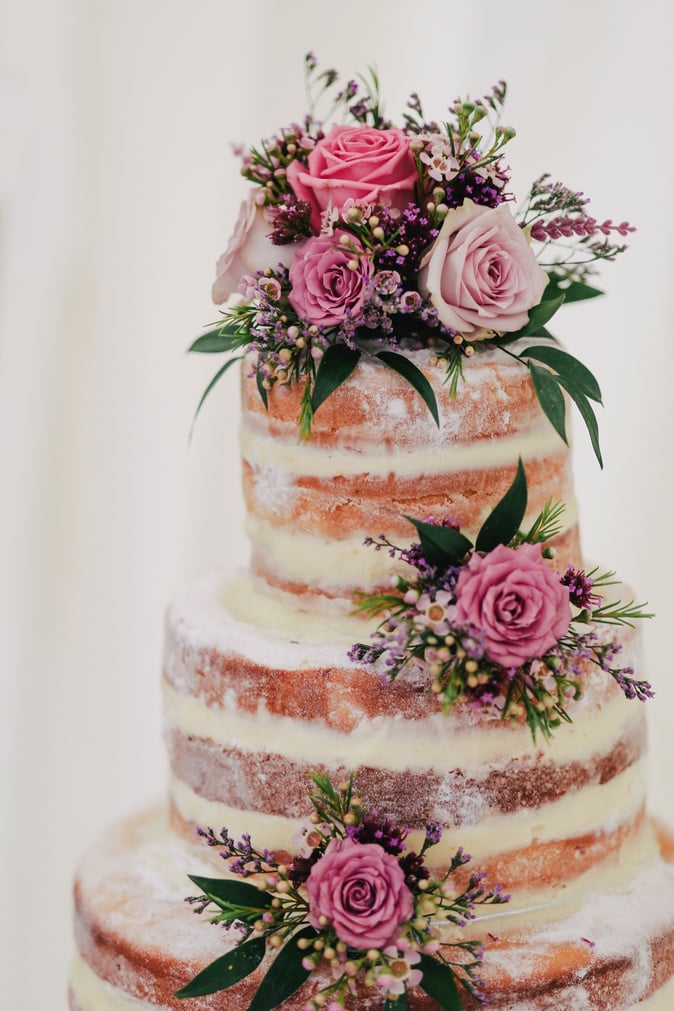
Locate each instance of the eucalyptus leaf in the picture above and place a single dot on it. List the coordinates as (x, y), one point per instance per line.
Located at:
(218, 375)
(261, 390)
(222, 338)
(439, 983)
(574, 291)
(335, 367)
(538, 317)
(543, 332)
(285, 975)
(541, 313)
(414, 376)
(232, 892)
(226, 970)
(573, 371)
(397, 1002)
(506, 517)
(587, 414)
(442, 546)
(550, 397)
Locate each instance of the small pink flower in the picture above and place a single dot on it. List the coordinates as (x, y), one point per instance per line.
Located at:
(516, 601)
(434, 611)
(399, 974)
(360, 890)
(329, 280)
(480, 273)
(356, 163)
(249, 249)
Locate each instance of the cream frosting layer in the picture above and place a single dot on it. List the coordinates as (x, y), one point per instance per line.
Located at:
(396, 744)
(298, 458)
(592, 809)
(328, 564)
(94, 994)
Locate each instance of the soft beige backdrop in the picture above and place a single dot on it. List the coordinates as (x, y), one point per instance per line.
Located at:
(117, 192)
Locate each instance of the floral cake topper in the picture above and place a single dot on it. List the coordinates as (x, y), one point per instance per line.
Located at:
(492, 623)
(355, 906)
(369, 238)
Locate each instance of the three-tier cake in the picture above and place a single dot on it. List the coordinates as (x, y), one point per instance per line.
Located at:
(416, 635)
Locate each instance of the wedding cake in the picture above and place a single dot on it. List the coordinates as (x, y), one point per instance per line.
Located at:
(416, 665)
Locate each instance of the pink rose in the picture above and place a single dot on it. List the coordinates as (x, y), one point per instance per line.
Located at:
(480, 273)
(360, 890)
(358, 163)
(325, 285)
(516, 601)
(249, 249)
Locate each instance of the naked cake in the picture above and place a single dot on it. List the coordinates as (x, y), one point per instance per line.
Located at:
(417, 663)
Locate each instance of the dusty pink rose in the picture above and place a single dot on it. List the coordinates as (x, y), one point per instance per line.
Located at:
(326, 287)
(249, 249)
(480, 273)
(360, 890)
(517, 602)
(358, 163)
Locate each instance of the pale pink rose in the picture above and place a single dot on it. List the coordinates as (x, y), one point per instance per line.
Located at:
(516, 601)
(480, 273)
(356, 163)
(249, 249)
(324, 286)
(360, 890)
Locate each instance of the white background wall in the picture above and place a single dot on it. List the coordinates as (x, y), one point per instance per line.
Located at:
(117, 192)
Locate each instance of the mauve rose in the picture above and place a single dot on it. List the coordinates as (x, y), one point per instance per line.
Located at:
(323, 287)
(358, 163)
(481, 273)
(516, 601)
(249, 249)
(360, 890)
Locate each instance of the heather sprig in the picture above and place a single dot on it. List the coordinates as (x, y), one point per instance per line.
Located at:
(281, 907)
(572, 240)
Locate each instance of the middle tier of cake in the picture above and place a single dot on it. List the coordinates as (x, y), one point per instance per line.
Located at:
(257, 697)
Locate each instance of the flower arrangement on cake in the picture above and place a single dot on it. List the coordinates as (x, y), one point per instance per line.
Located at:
(492, 623)
(354, 901)
(369, 239)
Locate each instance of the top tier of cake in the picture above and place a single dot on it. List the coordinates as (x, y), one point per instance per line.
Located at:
(376, 457)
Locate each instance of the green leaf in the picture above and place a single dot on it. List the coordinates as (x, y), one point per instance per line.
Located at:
(506, 517)
(226, 970)
(442, 546)
(218, 375)
(225, 892)
(439, 983)
(550, 397)
(396, 1002)
(573, 371)
(587, 414)
(222, 338)
(285, 975)
(335, 367)
(414, 376)
(261, 390)
(543, 332)
(574, 291)
(538, 317)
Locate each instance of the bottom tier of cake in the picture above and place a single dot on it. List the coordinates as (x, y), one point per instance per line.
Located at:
(138, 941)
